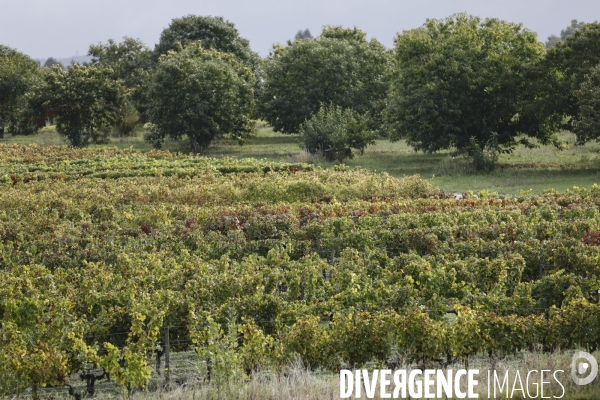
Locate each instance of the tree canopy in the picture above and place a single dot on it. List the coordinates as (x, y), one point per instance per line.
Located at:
(17, 74)
(565, 33)
(567, 64)
(586, 124)
(50, 62)
(213, 32)
(131, 63)
(84, 100)
(461, 78)
(128, 59)
(340, 68)
(201, 93)
(303, 34)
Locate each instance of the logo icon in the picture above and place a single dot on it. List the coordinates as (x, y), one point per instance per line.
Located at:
(583, 364)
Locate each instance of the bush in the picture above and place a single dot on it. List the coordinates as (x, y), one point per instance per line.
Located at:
(127, 120)
(334, 132)
(484, 158)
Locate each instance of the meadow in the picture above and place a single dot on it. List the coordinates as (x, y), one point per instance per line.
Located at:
(533, 170)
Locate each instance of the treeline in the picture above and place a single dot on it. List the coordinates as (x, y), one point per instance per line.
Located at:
(480, 87)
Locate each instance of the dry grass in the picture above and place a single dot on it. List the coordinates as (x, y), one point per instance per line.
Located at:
(297, 383)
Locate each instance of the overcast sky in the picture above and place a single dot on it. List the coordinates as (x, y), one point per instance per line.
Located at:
(62, 28)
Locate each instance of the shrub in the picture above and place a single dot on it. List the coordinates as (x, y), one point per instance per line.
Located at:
(484, 158)
(334, 132)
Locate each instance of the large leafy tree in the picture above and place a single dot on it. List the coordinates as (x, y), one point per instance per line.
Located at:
(567, 65)
(201, 93)
(586, 124)
(129, 60)
(340, 68)
(464, 83)
(84, 100)
(131, 63)
(18, 73)
(214, 33)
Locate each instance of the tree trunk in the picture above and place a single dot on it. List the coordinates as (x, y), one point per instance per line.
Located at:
(1, 132)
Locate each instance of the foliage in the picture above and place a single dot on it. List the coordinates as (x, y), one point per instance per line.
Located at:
(565, 33)
(567, 65)
(303, 34)
(18, 74)
(486, 158)
(338, 32)
(213, 32)
(128, 59)
(127, 121)
(334, 132)
(34, 303)
(340, 68)
(552, 40)
(462, 77)
(131, 64)
(586, 124)
(220, 361)
(50, 62)
(83, 99)
(201, 94)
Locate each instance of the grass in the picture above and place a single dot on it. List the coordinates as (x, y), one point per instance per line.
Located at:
(536, 169)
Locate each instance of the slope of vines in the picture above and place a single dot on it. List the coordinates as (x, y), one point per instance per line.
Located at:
(261, 262)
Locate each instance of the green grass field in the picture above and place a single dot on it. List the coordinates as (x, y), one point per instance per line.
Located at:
(536, 170)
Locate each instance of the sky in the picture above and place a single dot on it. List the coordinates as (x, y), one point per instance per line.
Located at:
(64, 28)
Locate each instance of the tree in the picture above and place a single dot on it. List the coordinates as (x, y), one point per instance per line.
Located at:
(84, 99)
(200, 93)
(18, 73)
(129, 60)
(50, 62)
(565, 33)
(586, 124)
(214, 33)
(566, 66)
(303, 34)
(552, 40)
(131, 63)
(354, 35)
(461, 78)
(334, 132)
(340, 68)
